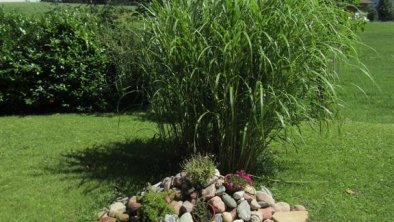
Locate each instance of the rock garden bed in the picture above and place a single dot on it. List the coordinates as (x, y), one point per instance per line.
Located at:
(186, 197)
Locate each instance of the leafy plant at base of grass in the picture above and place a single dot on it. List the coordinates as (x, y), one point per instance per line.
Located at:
(199, 169)
(231, 75)
(154, 206)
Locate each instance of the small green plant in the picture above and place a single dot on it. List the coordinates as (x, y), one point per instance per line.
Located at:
(199, 169)
(201, 212)
(154, 206)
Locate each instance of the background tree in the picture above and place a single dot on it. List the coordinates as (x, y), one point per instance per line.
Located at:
(385, 10)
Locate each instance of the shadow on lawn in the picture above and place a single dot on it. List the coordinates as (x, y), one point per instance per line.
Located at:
(126, 166)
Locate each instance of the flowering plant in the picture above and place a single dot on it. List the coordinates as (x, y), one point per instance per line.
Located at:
(237, 181)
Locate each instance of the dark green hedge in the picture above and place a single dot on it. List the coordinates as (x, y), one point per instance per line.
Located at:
(52, 63)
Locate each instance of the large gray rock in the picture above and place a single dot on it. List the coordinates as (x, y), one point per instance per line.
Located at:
(229, 201)
(262, 196)
(220, 190)
(243, 211)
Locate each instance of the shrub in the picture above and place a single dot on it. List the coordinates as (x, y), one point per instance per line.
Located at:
(119, 34)
(385, 10)
(199, 169)
(154, 207)
(52, 63)
(231, 75)
(372, 13)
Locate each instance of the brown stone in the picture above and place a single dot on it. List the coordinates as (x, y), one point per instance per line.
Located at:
(107, 219)
(259, 214)
(123, 217)
(248, 197)
(299, 208)
(234, 213)
(101, 214)
(177, 206)
(282, 207)
(254, 205)
(292, 216)
(132, 204)
(208, 192)
(267, 213)
(217, 204)
(262, 196)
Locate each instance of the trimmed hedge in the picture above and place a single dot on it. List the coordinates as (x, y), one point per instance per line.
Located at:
(52, 63)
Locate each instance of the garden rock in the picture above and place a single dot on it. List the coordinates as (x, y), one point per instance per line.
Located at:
(239, 220)
(266, 190)
(123, 217)
(187, 206)
(292, 216)
(217, 204)
(282, 207)
(254, 205)
(263, 204)
(116, 209)
(107, 219)
(250, 190)
(220, 190)
(243, 211)
(238, 195)
(218, 218)
(267, 213)
(299, 208)
(209, 192)
(133, 205)
(177, 206)
(262, 196)
(258, 214)
(255, 218)
(186, 217)
(101, 214)
(169, 218)
(229, 201)
(248, 197)
(227, 217)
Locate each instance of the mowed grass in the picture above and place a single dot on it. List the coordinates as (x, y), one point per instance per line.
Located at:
(349, 175)
(65, 167)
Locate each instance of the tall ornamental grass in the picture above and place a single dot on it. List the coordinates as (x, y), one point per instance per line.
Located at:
(230, 75)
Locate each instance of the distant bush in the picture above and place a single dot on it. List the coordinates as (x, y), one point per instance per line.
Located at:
(52, 63)
(372, 13)
(385, 10)
(120, 35)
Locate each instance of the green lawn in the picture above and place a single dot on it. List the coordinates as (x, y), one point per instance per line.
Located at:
(65, 167)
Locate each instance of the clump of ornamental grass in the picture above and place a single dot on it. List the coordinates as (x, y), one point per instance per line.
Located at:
(230, 76)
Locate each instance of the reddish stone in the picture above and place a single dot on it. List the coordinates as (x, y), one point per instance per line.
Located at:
(267, 213)
(107, 219)
(132, 204)
(123, 217)
(177, 206)
(217, 204)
